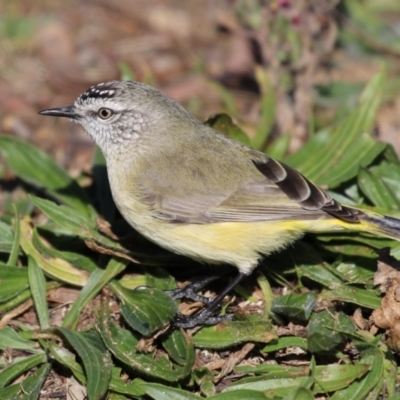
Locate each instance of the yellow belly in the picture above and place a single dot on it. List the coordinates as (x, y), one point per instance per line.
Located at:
(237, 243)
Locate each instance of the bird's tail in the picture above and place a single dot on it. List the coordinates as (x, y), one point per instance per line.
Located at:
(380, 225)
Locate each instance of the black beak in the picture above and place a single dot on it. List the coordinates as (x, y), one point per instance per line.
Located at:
(68, 112)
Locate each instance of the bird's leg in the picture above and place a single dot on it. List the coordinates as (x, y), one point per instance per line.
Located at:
(205, 315)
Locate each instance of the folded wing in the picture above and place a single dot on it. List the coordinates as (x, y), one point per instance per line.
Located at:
(272, 192)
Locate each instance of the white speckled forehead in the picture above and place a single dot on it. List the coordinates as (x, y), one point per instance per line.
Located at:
(101, 91)
(117, 95)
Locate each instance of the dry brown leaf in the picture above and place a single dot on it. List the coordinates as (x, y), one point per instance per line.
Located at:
(384, 276)
(359, 320)
(99, 248)
(147, 345)
(388, 315)
(104, 226)
(233, 360)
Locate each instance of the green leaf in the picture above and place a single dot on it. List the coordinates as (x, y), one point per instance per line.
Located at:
(20, 297)
(68, 218)
(32, 385)
(176, 345)
(377, 34)
(320, 273)
(19, 367)
(298, 307)
(336, 157)
(97, 363)
(272, 371)
(391, 155)
(241, 394)
(376, 190)
(300, 393)
(68, 359)
(346, 293)
(132, 389)
(9, 339)
(362, 388)
(39, 169)
(327, 379)
(339, 291)
(226, 96)
(353, 273)
(145, 309)
(97, 280)
(223, 123)
(159, 278)
(126, 72)
(326, 331)
(76, 259)
(13, 258)
(13, 280)
(338, 94)
(337, 165)
(6, 238)
(268, 105)
(29, 388)
(234, 332)
(162, 392)
(37, 283)
(54, 267)
(390, 175)
(79, 225)
(123, 344)
(390, 373)
(267, 293)
(204, 378)
(284, 342)
(11, 392)
(354, 245)
(279, 147)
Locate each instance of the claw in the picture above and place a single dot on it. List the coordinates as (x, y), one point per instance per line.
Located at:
(204, 317)
(189, 291)
(211, 305)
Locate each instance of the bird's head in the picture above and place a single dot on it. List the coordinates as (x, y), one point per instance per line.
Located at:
(118, 114)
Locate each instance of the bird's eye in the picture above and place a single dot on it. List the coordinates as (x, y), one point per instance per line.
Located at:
(105, 113)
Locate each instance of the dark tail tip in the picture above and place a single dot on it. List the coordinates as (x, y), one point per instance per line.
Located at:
(385, 226)
(390, 222)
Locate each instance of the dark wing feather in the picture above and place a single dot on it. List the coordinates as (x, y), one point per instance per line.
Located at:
(300, 189)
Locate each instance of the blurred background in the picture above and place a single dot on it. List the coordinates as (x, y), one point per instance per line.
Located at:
(299, 64)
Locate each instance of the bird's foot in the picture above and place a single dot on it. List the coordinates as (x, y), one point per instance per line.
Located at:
(203, 317)
(189, 291)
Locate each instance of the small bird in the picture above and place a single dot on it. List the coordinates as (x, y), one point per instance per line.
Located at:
(199, 193)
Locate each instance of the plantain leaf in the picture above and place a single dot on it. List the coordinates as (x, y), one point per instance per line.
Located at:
(234, 332)
(333, 158)
(223, 123)
(39, 169)
(268, 106)
(96, 360)
(145, 309)
(122, 343)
